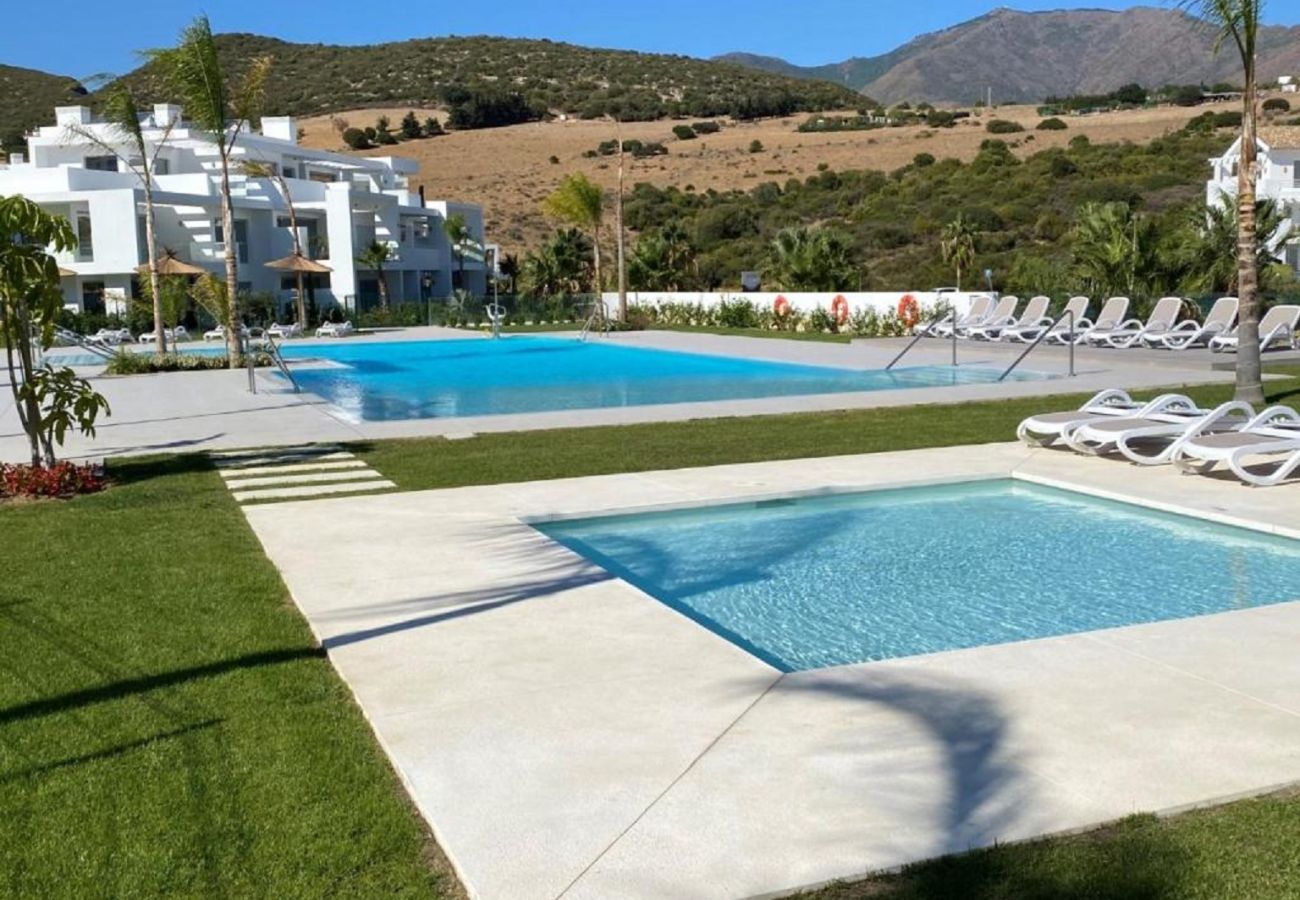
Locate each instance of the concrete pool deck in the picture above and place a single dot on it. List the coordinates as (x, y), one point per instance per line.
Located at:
(566, 735)
(214, 409)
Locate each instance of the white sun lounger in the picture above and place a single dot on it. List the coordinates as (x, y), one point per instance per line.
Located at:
(1003, 314)
(1152, 440)
(1223, 315)
(1029, 333)
(1161, 321)
(284, 332)
(1277, 327)
(1271, 438)
(978, 313)
(334, 329)
(1035, 314)
(1044, 428)
(1112, 314)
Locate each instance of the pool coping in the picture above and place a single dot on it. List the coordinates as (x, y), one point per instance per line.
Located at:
(565, 734)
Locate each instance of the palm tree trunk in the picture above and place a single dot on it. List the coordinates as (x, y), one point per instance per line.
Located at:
(1250, 387)
(234, 346)
(302, 303)
(618, 223)
(383, 287)
(155, 283)
(595, 244)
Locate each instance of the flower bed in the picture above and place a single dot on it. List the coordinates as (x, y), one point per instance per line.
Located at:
(63, 479)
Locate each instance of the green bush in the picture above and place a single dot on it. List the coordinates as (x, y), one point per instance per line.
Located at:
(684, 132)
(706, 127)
(1052, 124)
(126, 362)
(756, 146)
(1003, 126)
(923, 160)
(1276, 105)
(356, 139)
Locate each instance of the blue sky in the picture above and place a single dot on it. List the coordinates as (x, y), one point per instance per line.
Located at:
(81, 37)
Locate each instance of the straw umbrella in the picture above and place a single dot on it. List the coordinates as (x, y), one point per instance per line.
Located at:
(300, 266)
(168, 264)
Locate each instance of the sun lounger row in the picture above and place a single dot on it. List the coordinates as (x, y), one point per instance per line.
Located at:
(114, 337)
(334, 329)
(1260, 449)
(1111, 328)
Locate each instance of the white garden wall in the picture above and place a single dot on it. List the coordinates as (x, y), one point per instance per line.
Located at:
(877, 300)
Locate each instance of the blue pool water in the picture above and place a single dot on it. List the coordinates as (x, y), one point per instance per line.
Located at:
(820, 582)
(82, 358)
(437, 379)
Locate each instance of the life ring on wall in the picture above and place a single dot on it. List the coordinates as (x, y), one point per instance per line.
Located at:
(840, 309)
(781, 306)
(909, 311)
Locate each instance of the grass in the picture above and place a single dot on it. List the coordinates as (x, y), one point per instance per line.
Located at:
(424, 463)
(167, 734)
(168, 725)
(1241, 851)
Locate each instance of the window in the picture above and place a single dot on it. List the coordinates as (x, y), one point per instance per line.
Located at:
(241, 238)
(1293, 257)
(85, 239)
(161, 166)
(92, 297)
(290, 172)
(102, 163)
(283, 222)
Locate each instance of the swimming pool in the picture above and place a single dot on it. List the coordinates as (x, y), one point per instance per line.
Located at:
(380, 381)
(808, 583)
(83, 358)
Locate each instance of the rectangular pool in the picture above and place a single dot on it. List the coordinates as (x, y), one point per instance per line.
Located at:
(382, 381)
(850, 578)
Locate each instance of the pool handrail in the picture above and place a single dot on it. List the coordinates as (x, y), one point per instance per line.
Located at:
(923, 333)
(1067, 315)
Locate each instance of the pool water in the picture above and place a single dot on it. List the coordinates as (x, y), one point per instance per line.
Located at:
(820, 582)
(478, 377)
(77, 357)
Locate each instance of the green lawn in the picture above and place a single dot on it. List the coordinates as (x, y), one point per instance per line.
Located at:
(1242, 851)
(421, 463)
(167, 725)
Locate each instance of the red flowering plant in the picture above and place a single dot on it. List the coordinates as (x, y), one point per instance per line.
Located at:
(63, 479)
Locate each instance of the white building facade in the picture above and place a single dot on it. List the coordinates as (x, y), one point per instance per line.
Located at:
(341, 202)
(1279, 181)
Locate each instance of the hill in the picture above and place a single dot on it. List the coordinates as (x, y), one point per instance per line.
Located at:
(29, 99)
(308, 79)
(1027, 56)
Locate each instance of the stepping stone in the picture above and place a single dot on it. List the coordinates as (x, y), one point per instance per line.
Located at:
(232, 472)
(309, 491)
(250, 461)
(305, 478)
(273, 451)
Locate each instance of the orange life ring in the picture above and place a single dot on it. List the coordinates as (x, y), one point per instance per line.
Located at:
(909, 311)
(840, 309)
(781, 306)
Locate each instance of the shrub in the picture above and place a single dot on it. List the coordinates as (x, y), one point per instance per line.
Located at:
(555, 160)
(756, 146)
(1276, 105)
(684, 132)
(1003, 126)
(128, 363)
(432, 127)
(706, 127)
(923, 160)
(1052, 124)
(737, 314)
(63, 479)
(356, 139)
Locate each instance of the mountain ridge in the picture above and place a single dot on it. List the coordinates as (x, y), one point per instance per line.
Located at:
(1028, 56)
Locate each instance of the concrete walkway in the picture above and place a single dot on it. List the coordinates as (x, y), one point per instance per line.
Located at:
(214, 409)
(568, 736)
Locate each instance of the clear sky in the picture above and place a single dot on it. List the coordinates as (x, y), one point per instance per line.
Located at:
(85, 37)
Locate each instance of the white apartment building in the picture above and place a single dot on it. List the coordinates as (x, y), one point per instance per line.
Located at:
(1279, 181)
(342, 203)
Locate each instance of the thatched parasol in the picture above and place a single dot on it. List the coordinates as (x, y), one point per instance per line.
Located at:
(296, 262)
(169, 264)
(66, 273)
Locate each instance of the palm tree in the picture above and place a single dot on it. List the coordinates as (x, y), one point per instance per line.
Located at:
(581, 203)
(510, 270)
(373, 256)
(221, 107)
(458, 236)
(812, 259)
(122, 115)
(957, 245)
(1115, 251)
(259, 169)
(1238, 21)
(1211, 248)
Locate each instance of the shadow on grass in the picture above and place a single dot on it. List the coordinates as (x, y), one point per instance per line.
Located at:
(130, 687)
(149, 468)
(109, 753)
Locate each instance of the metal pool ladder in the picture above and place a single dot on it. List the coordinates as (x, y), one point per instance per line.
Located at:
(599, 317)
(495, 313)
(272, 350)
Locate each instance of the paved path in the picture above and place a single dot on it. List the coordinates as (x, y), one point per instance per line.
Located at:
(568, 736)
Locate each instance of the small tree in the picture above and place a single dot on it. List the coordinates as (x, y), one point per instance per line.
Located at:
(957, 245)
(356, 139)
(259, 169)
(432, 128)
(373, 256)
(49, 401)
(581, 203)
(410, 126)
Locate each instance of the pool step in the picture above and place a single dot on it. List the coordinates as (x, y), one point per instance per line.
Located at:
(295, 473)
